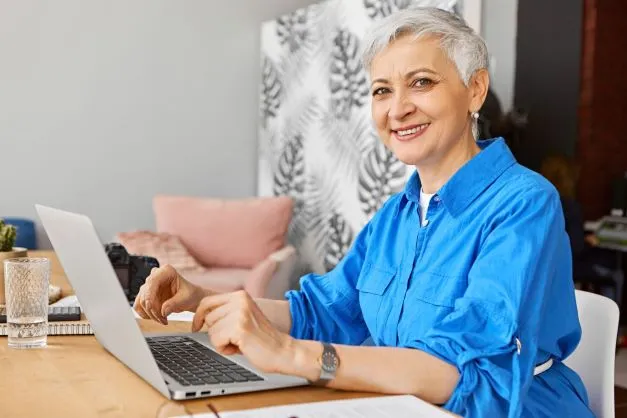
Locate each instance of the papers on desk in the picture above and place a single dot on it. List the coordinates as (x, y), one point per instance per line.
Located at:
(71, 300)
(185, 316)
(591, 226)
(381, 407)
(181, 316)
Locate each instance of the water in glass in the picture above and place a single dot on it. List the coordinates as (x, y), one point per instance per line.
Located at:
(26, 288)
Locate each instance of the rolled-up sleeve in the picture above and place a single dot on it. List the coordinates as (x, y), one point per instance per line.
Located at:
(326, 308)
(499, 312)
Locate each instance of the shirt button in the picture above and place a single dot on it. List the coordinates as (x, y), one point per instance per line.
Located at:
(436, 199)
(425, 223)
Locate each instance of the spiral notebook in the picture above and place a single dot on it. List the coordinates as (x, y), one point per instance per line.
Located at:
(82, 327)
(65, 308)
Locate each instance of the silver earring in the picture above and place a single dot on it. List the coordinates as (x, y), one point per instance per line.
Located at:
(475, 115)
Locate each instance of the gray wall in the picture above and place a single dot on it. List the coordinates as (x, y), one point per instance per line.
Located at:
(498, 28)
(103, 104)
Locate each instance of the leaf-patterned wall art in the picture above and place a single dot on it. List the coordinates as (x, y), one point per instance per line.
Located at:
(381, 174)
(338, 242)
(382, 8)
(348, 82)
(271, 90)
(317, 142)
(289, 180)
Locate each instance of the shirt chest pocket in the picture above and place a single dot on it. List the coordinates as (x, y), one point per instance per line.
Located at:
(375, 287)
(437, 289)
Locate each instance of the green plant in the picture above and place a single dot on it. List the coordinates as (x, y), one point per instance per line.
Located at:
(7, 236)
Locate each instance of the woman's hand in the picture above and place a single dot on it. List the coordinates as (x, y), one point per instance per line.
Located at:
(165, 291)
(236, 324)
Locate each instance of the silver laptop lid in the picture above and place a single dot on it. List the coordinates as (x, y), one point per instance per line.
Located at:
(102, 298)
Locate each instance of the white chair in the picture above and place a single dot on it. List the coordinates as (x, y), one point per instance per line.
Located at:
(593, 359)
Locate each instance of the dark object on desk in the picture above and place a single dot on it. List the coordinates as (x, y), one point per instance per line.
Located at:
(64, 313)
(132, 270)
(55, 313)
(619, 195)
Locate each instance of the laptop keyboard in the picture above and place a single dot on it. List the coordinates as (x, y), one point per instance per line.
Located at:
(191, 363)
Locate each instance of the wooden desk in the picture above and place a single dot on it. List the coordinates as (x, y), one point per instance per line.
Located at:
(75, 377)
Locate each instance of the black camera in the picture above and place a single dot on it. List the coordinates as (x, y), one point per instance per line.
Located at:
(132, 270)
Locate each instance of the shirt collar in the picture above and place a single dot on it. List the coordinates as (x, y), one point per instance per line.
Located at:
(470, 180)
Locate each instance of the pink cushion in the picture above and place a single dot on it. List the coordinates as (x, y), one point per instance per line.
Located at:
(254, 281)
(218, 279)
(259, 277)
(226, 233)
(166, 248)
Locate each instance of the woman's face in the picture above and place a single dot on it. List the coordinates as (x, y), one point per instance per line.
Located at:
(419, 103)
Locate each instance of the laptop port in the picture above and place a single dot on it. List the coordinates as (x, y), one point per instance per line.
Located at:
(190, 394)
(205, 392)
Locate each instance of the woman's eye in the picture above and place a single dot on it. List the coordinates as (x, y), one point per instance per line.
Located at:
(422, 82)
(380, 91)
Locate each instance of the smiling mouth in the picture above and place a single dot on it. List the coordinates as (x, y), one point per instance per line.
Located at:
(410, 132)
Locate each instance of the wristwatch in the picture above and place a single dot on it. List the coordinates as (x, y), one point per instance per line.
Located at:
(329, 362)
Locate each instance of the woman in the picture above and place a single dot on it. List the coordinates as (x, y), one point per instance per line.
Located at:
(463, 280)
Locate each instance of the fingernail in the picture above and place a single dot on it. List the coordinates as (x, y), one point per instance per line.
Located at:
(154, 315)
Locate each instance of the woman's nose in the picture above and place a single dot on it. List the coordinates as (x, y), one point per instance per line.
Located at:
(401, 107)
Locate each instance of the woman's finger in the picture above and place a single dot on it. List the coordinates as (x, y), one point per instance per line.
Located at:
(148, 310)
(156, 283)
(137, 304)
(220, 334)
(140, 310)
(160, 318)
(216, 315)
(206, 305)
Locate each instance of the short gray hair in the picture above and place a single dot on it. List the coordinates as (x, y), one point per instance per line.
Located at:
(461, 44)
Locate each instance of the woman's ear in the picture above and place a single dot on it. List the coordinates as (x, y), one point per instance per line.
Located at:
(478, 89)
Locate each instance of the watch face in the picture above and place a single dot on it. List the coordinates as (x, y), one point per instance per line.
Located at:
(329, 361)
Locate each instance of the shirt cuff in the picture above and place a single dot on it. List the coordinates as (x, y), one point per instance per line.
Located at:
(299, 328)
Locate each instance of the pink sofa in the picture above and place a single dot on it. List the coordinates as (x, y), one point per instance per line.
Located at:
(222, 245)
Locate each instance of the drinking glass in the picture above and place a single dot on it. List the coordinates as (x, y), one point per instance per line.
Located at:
(26, 288)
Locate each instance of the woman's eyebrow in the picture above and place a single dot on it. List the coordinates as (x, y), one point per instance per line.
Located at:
(408, 75)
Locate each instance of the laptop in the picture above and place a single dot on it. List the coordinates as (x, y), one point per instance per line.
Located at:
(180, 366)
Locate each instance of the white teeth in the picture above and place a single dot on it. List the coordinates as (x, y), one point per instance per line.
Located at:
(412, 131)
(408, 131)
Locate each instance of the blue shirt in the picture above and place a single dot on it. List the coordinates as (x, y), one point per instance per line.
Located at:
(486, 285)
